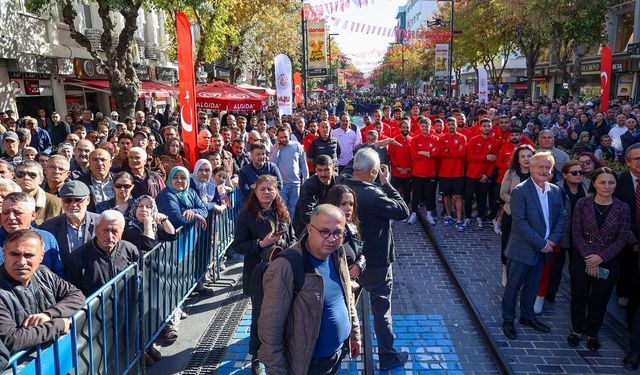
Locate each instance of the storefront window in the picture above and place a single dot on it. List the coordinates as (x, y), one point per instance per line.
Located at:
(624, 32)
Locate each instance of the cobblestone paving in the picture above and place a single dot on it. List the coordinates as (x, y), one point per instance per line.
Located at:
(475, 257)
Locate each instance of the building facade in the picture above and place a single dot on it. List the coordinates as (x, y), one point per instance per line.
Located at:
(41, 66)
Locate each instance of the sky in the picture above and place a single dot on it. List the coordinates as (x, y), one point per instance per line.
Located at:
(367, 49)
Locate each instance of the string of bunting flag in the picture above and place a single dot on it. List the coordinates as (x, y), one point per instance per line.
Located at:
(432, 36)
(319, 11)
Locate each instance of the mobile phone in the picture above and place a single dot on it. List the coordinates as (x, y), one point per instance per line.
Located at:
(603, 273)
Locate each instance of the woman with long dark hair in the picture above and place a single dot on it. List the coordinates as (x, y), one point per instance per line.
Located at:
(600, 230)
(518, 171)
(343, 197)
(263, 224)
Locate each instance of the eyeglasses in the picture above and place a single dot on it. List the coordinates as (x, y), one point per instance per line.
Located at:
(72, 200)
(123, 186)
(576, 173)
(326, 233)
(21, 174)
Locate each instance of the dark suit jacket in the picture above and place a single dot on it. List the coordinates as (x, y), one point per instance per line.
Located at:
(58, 227)
(626, 193)
(528, 228)
(627, 140)
(86, 179)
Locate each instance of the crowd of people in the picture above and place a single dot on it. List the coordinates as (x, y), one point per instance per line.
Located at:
(85, 196)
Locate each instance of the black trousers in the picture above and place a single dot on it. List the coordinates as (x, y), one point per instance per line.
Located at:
(589, 295)
(327, 365)
(504, 238)
(494, 196)
(635, 333)
(424, 190)
(403, 185)
(628, 267)
(473, 187)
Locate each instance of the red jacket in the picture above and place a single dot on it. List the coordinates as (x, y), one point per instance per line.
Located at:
(452, 154)
(415, 127)
(504, 159)
(424, 166)
(306, 142)
(400, 156)
(478, 148)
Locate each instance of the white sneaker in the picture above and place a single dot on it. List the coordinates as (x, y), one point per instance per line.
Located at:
(623, 301)
(497, 226)
(503, 282)
(413, 218)
(479, 223)
(537, 307)
(466, 223)
(430, 219)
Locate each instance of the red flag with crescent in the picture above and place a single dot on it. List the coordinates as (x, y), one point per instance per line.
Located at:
(187, 87)
(605, 78)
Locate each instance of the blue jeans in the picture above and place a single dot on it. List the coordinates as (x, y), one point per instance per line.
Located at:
(290, 193)
(527, 278)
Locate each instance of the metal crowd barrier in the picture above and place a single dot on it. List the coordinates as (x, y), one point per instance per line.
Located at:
(124, 317)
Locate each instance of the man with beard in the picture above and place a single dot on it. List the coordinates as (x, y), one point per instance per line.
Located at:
(451, 171)
(75, 226)
(400, 158)
(290, 159)
(259, 165)
(80, 162)
(314, 192)
(424, 170)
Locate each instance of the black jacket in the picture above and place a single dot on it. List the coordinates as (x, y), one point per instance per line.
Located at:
(133, 234)
(49, 294)
(376, 206)
(248, 233)
(89, 268)
(312, 193)
(329, 147)
(59, 132)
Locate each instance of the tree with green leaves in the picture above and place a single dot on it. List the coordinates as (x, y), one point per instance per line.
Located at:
(114, 52)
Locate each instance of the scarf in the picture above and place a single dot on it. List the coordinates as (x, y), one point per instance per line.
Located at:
(206, 190)
(134, 207)
(183, 196)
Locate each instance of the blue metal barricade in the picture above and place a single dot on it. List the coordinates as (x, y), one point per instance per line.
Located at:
(122, 319)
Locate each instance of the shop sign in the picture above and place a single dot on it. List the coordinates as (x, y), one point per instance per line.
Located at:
(166, 74)
(143, 72)
(521, 79)
(30, 84)
(88, 69)
(538, 72)
(620, 66)
(633, 49)
(590, 67)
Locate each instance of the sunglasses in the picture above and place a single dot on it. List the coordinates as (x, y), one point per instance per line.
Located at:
(121, 186)
(576, 173)
(72, 200)
(21, 174)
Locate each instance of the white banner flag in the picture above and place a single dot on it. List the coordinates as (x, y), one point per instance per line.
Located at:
(442, 61)
(283, 85)
(483, 86)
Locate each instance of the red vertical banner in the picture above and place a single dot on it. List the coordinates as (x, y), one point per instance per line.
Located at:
(187, 86)
(297, 88)
(605, 78)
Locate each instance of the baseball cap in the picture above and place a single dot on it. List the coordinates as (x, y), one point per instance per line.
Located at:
(10, 135)
(114, 113)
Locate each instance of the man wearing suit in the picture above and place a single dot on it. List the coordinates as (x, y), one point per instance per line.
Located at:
(628, 191)
(75, 226)
(539, 219)
(631, 136)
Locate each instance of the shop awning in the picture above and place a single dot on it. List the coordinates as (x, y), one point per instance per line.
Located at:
(520, 86)
(148, 88)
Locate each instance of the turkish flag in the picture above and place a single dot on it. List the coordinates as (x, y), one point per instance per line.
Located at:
(605, 78)
(187, 86)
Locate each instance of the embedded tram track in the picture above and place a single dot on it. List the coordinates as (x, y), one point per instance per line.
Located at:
(499, 359)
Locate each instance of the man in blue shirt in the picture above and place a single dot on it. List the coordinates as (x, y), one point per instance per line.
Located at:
(309, 332)
(40, 139)
(259, 165)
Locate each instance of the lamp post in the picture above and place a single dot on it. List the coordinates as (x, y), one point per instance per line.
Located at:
(440, 22)
(329, 42)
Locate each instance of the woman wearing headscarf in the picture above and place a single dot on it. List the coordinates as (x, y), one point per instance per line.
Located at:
(146, 226)
(203, 183)
(182, 205)
(172, 157)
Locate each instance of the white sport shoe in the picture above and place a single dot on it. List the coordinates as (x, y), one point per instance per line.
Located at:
(497, 226)
(413, 218)
(466, 223)
(623, 301)
(479, 223)
(503, 282)
(537, 307)
(430, 219)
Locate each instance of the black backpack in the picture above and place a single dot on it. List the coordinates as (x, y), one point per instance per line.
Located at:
(257, 292)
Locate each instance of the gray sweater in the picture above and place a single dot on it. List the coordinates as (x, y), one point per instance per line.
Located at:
(291, 162)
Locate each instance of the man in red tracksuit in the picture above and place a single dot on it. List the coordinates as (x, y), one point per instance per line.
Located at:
(451, 171)
(424, 153)
(415, 120)
(502, 164)
(394, 123)
(400, 159)
(482, 152)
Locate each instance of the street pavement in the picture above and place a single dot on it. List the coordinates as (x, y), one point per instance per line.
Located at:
(430, 321)
(475, 257)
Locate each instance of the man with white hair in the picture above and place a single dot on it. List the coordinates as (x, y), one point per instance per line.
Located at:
(96, 262)
(378, 204)
(75, 226)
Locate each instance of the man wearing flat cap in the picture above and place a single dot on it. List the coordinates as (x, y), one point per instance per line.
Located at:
(76, 225)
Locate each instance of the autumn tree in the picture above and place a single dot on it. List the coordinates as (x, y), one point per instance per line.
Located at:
(116, 40)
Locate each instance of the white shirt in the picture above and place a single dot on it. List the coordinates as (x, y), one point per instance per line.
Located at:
(615, 133)
(348, 141)
(543, 197)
